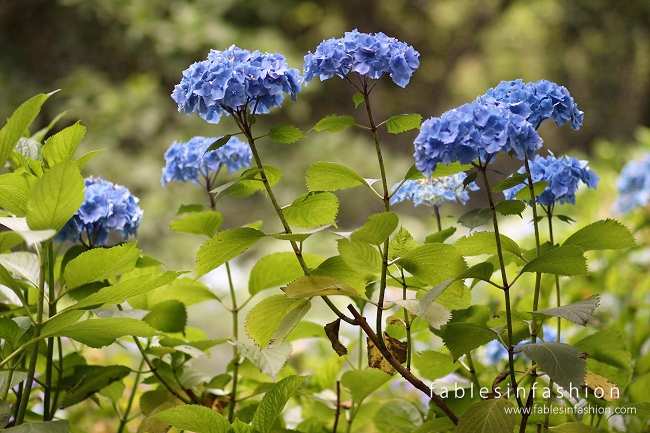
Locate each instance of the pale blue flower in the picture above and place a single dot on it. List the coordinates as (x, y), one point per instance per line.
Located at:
(633, 185)
(434, 192)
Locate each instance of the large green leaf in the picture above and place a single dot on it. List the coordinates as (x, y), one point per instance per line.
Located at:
(285, 134)
(462, 338)
(252, 178)
(334, 123)
(329, 176)
(167, 316)
(609, 356)
(288, 324)
(403, 122)
(376, 229)
(98, 333)
(309, 286)
(362, 383)
(577, 312)
(510, 182)
(225, 246)
(184, 290)
(312, 209)
(441, 236)
(398, 416)
(563, 260)
(63, 145)
(485, 243)
(434, 263)
(488, 416)
(18, 123)
(360, 256)
(510, 207)
(56, 197)
(264, 318)
(573, 427)
(337, 268)
(269, 360)
(276, 269)
(433, 365)
(606, 234)
(401, 244)
(23, 265)
(476, 217)
(86, 380)
(274, 401)
(199, 419)
(564, 364)
(15, 190)
(62, 426)
(538, 188)
(204, 223)
(9, 240)
(100, 264)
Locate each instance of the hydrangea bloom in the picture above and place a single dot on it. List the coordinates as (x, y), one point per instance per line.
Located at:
(434, 192)
(633, 185)
(366, 54)
(188, 161)
(476, 130)
(536, 102)
(562, 174)
(106, 208)
(233, 79)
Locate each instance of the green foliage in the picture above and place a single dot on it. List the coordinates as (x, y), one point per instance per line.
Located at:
(577, 312)
(199, 419)
(334, 123)
(510, 207)
(602, 235)
(538, 188)
(276, 269)
(609, 356)
(264, 319)
(403, 123)
(100, 264)
(362, 383)
(433, 365)
(225, 246)
(86, 380)
(398, 416)
(510, 182)
(274, 401)
(63, 145)
(205, 223)
(312, 209)
(488, 416)
(559, 261)
(167, 316)
(285, 134)
(329, 176)
(376, 229)
(476, 217)
(462, 338)
(310, 286)
(564, 364)
(360, 256)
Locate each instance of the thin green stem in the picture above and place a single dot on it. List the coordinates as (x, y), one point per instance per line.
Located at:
(55, 400)
(436, 213)
(337, 413)
(235, 351)
(51, 297)
(407, 324)
(472, 371)
(549, 400)
(125, 417)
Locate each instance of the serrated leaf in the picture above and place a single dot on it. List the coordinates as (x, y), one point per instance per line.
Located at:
(167, 316)
(397, 416)
(225, 246)
(329, 176)
(268, 360)
(360, 256)
(221, 141)
(401, 244)
(435, 315)
(609, 356)
(274, 401)
(538, 188)
(42, 427)
(362, 383)
(199, 419)
(606, 234)
(403, 123)
(436, 425)
(312, 209)
(204, 223)
(18, 123)
(334, 123)
(336, 267)
(564, 364)
(482, 271)
(184, 290)
(510, 182)
(433, 365)
(462, 338)
(577, 312)
(376, 229)
(358, 99)
(98, 333)
(85, 158)
(559, 261)
(289, 323)
(449, 169)
(476, 217)
(276, 269)
(471, 177)
(297, 237)
(15, 190)
(311, 286)
(63, 145)
(440, 236)
(56, 197)
(264, 318)
(488, 416)
(433, 263)
(285, 134)
(510, 207)
(413, 174)
(99, 264)
(252, 178)
(86, 380)
(485, 243)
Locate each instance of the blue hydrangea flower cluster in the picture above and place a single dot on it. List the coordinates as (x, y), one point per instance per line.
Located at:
(476, 130)
(434, 192)
(537, 102)
(233, 79)
(633, 185)
(106, 208)
(563, 175)
(188, 161)
(366, 54)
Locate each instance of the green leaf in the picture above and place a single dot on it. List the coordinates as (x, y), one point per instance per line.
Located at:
(86, 157)
(289, 322)
(559, 261)
(398, 416)
(476, 217)
(167, 316)
(19, 227)
(204, 223)
(222, 141)
(358, 99)
(56, 197)
(312, 209)
(510, 207)
(606, 234)
(462, 338)
(564, 364)
(268, 360)
(310, 286)
(435, 314)
(403, 123)
(18, 123)
(264, 318)
(440, 236)
(8, 240)
(538, 188)
(23, 265)
(449, 169)
(274, 401)
(329, 176)
(100, 264)
(413, 174)
(297, 237)
(360, 256)
(334, 123)
(401, 244)
(192, 417)
(433, 263)
(225, 246)
(276, 269)
(361, 383)
(577, 312)
(573, 427)
(15, 190)
(285, 134)
(510, 182)
(190, 208)
(376, 229)
(63, 145)
(609, 356)
(41, 133)
(252, 177)
(184, 290)
(435, 425)
(42, 427)
(336, 267)
(86, 380)
(482, 271)
(433, 365)
(98, 333)
(485, 243)
(10, 332)
(5, 413)
(488, 416)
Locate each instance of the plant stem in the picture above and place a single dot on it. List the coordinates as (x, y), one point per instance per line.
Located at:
(129, 405)
(47, 409)
(58, 378)
(337, 413)
(549, 400)
(235, 351)
(436, 212)
(472, 370)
